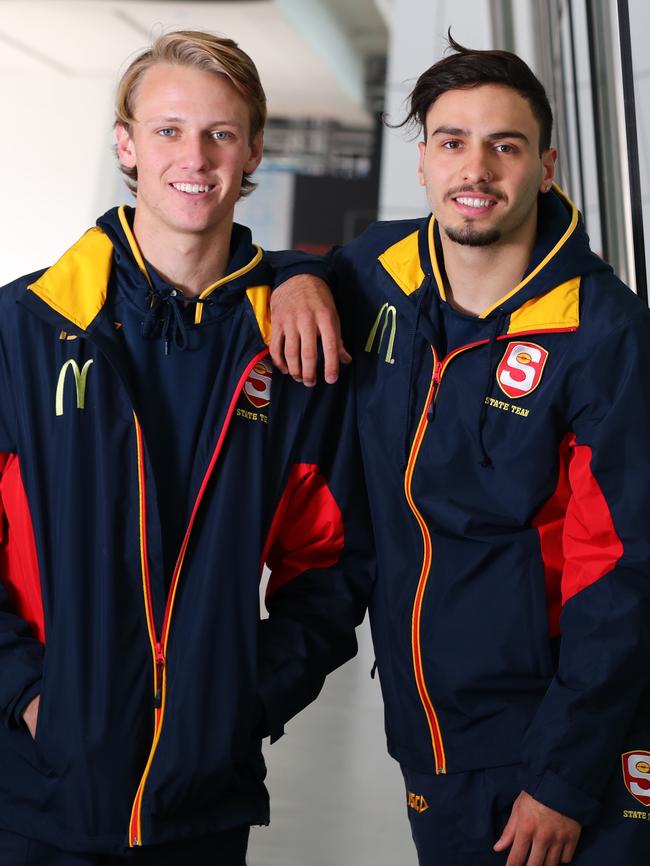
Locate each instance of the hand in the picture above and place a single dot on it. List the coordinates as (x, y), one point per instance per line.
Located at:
(302, 310)
(30, 715)
(539, 836)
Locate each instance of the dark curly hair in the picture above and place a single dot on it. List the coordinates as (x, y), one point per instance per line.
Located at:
(467, 68)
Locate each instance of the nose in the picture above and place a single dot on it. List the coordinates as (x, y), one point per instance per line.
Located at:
(477, 168)
(194, 156)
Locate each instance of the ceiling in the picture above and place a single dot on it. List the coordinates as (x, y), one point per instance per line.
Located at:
(311, 54)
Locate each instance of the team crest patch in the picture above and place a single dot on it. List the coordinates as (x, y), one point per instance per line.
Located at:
(520, 370)
(636, 774)
(258, 384)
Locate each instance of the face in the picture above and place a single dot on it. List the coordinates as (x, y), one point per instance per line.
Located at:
(481, 165)
(190, 142)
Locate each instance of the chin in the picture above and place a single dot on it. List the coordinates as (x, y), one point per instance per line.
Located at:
(469, 236)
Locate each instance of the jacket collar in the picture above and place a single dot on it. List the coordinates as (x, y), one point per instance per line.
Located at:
(76, 286)
(538, 303)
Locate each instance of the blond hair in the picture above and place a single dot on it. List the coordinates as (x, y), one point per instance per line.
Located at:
(202, 51)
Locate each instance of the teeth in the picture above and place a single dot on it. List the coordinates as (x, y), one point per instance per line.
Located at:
(474, 202)
(193, 188)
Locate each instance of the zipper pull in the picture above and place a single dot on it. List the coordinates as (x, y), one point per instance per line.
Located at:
(160, 665)
(437, 375)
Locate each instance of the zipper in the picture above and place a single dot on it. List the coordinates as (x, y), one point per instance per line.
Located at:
(159, 641)
(439, 368)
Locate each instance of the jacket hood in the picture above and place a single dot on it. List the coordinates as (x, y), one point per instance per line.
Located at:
(245, 260)
(76, 286)
(561, 255)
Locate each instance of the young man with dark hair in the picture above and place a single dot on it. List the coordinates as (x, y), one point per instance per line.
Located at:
(151, 463)
(503, 389)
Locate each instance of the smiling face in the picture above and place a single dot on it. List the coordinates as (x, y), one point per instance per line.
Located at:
(481, 165)
(190, 142)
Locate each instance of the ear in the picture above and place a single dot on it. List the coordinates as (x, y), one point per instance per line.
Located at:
(257, 149)
(549, 158)
(125, 146)
(422, 147)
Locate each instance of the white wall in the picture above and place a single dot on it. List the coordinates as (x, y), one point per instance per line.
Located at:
(417, 40)
(59, 172)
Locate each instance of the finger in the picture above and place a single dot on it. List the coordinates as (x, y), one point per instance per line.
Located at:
(537, 854)
(569, 850)
(507, 836)
(519, 851)
(308, 352)
(276, 348)
(292, 354)
(553, 855)
(330, 338)
(344, 356)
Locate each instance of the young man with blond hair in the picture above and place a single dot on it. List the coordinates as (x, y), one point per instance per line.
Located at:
(151, 464)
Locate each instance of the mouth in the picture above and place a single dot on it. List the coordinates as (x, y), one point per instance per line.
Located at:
(473, 205)
(193, 188)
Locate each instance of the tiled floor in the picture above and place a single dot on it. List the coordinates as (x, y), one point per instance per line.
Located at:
(337, 799)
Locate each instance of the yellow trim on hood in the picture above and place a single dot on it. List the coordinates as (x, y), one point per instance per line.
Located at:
(567, 234)
(198, 312)
(402, 261)
(133, 244)
(226, 279)
(76, 285)
(260, 299)
(547, 258)
(558, 308)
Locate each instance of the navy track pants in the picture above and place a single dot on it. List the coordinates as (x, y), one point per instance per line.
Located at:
(456, 819)
(223, 849)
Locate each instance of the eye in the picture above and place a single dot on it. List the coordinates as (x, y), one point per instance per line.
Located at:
(167, 132)
(452, 144)
(505, 148)
(221, 135)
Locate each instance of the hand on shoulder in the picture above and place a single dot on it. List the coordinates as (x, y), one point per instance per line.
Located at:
(302, 312)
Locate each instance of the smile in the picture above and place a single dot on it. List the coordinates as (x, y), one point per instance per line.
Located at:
(477, 203)
(193, 188)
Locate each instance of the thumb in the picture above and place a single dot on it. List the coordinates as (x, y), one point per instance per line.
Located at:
(508, 836)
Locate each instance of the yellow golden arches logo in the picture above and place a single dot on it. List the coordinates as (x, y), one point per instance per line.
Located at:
(386, 314)
(80, 377)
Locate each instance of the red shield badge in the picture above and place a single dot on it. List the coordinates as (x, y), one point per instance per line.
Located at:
(258, 384)
(521, 368)
(636, 773)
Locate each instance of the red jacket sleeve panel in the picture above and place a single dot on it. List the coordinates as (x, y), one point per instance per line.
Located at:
(307, 528)
(578, 540)
(18, 560)
(592, 547)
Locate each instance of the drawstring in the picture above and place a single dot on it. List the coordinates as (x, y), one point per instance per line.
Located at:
(409, 393)
(165, 318)
(486, 460)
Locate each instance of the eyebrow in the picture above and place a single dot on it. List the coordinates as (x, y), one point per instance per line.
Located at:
(493, 136)
(154, 121)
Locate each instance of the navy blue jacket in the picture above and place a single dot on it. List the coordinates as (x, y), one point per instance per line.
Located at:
(509, 482)
(155, 689)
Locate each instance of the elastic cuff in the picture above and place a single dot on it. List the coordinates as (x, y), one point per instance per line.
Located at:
(16, 716)
(313, 267)
(266, 725)
(554, 792)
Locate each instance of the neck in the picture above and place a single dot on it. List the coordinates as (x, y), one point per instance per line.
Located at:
(189, 261)
(477, 277)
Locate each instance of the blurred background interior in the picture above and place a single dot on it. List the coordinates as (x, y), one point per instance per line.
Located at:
(330, 69)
